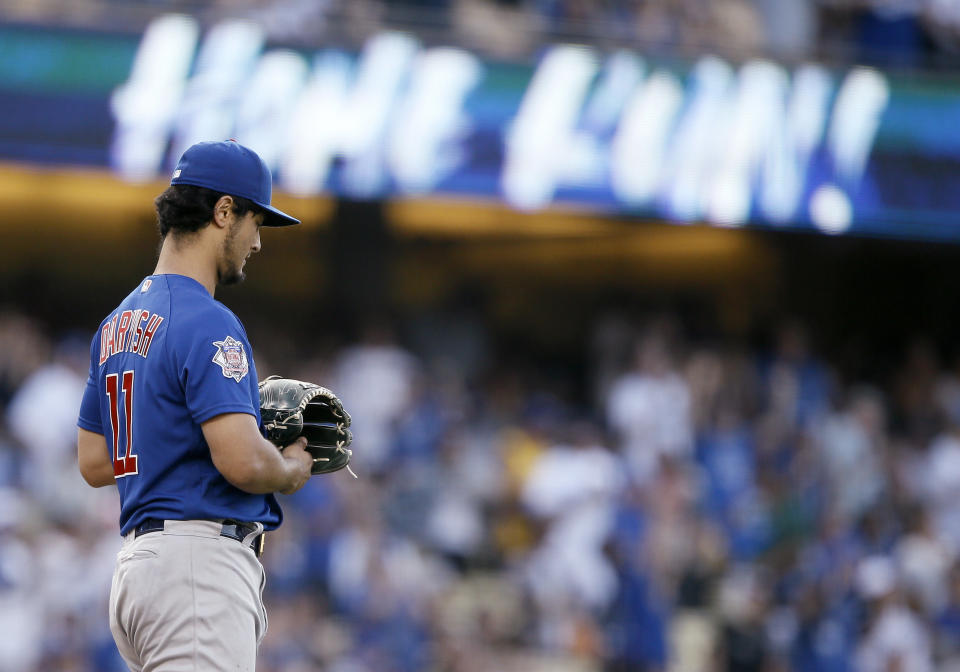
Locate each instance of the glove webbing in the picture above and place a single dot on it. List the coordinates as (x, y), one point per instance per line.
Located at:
(342, 450)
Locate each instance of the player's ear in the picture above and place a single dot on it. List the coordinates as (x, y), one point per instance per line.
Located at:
(223, 211)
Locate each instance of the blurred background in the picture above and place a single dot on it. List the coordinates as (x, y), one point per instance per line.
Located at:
(644, 311)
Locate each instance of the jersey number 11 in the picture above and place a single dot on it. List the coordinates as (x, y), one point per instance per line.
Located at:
(126, 464)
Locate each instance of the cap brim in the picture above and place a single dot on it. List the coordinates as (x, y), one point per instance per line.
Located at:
(274, 217)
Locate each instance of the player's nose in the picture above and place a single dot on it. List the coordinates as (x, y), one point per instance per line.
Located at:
(256, 243)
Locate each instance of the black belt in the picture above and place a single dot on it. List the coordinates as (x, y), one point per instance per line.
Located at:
(233, 529)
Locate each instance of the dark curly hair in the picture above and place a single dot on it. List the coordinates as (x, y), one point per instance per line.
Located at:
(185, 208)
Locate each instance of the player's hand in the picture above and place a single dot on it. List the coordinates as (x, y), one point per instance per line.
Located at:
(301, 462)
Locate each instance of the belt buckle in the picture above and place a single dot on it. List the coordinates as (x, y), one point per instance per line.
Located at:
(258, 544)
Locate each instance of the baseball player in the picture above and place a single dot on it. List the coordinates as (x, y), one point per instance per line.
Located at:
(171, 415)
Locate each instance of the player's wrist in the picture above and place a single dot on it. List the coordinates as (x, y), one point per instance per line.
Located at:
(296, 463)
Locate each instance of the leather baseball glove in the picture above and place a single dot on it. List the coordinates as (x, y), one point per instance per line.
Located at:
(292, 408)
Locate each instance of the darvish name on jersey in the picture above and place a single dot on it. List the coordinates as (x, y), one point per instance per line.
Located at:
(129, 331)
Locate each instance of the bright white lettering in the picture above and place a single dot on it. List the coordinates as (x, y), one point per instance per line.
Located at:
(227, 57)
(792, 143)
(699, 137)
(266, 107)
(337, 117)
(145, 106)
(539, 137)
(639, 148)
(419, 152)
(759, 100)
(862, 98)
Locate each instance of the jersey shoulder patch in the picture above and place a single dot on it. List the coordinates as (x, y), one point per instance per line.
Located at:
(231, 358)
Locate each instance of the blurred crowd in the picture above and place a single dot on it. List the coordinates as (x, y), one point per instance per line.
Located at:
(905, 33)
(667, 503)
(901, 33)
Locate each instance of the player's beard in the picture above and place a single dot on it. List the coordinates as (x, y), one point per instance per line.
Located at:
(230, 268)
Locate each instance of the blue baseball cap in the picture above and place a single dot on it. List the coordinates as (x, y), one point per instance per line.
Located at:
(231, 168)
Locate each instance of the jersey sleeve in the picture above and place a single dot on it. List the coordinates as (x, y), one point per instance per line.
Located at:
(89, 417)
(214, 366)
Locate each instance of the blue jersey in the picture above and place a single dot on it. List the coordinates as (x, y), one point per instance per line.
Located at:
(169, 358)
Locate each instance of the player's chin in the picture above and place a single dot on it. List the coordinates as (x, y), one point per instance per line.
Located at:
(233, 276)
